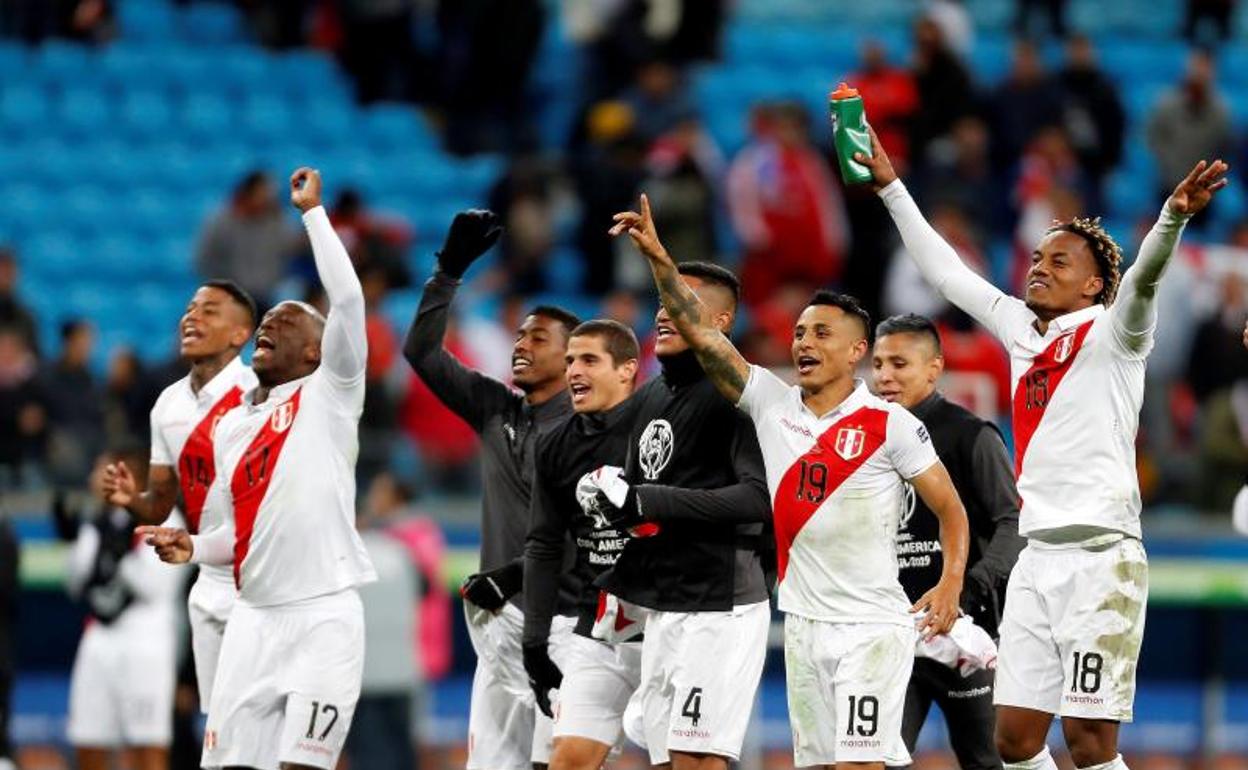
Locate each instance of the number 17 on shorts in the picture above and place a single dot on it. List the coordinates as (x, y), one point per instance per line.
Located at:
(314, 731)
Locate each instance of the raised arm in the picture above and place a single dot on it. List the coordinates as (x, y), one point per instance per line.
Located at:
(466, 392)
(344, 347)
(721, 360)
(936, 259)
(1135, 311)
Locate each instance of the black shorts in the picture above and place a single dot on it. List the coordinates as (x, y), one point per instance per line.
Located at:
(966, 703)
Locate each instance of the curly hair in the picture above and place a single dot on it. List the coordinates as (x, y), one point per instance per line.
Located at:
(1106, 252)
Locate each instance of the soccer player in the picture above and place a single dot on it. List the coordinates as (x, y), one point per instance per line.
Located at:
(121, 691)
(836, 457)
(292, 656)
(216, 325)
(695, 471)
(597, 678)
(505, 731)
(907, 363)
(1078, 342)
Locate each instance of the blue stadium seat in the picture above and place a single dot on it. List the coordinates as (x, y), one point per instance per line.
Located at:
(124, 67)
(120, 258)
(191, 70)
(211, 24)
(206, 115)
(327, 121)
(15, 63)
(54, 256)
(24, 109)
(143, 22)
(84, 112)
(565, 271)
(146, 114)
(393, 126)
(60, 63)
(241, 68)
(88, 206)
(266, 118)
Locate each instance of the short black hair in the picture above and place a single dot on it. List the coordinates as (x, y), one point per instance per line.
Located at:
(73, 326)
(250, 182)
(849, 304)
(618, 339)
(910, 323)
(555, 313)
(239, 295)
(712, 273)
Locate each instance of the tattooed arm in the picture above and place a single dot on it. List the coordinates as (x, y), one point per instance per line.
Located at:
(720, 359)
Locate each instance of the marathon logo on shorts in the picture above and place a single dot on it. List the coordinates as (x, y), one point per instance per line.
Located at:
(849, 442)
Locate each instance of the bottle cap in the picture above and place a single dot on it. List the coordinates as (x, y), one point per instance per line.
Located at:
(843, 91)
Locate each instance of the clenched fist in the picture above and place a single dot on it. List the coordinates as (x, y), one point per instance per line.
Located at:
(471, 234)
(120, 487)
(305, 188)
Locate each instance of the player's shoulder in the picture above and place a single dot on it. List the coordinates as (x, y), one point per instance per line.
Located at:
(173, 397)
(764, 387)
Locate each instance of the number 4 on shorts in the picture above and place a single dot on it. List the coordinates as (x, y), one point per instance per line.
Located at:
(693, 705)
(318, 709)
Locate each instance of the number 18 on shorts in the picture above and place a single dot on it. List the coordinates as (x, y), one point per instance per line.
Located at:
(847, 690)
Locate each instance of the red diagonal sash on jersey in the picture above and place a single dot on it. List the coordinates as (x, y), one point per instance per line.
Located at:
(814, 476)
(253, 474)
(1035, 389)
(196, 466)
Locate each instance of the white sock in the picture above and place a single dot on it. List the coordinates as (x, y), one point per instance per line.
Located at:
(1114, 764)
(1041, 761)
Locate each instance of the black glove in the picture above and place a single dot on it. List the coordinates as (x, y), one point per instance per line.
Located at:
(628, 516)
(544, 675)
(979, 600)
(471, 234)
(491, 590)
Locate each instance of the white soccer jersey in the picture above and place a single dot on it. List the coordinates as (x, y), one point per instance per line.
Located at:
(1077, 388)
(183, 424)
(836, 494)
(287, 465)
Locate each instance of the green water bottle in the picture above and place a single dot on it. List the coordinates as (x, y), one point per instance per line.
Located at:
(849, 133)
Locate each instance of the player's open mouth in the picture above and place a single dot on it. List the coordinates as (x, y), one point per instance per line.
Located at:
(579, 391)
(889, 395)
(1037, 284)
(806, 364)
(190, 335)
(519, 364)
(663, 332)
(264, 343)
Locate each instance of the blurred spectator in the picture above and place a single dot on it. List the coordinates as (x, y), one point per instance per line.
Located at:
(977, 368)
(1039, 18)
(1223, 448)
(890, 99)
(1190, 123)
(126, 662)
(374, 241)
(32, 21)
(959, 172)
(389, 499)
(686, 170)
(23, 421)
(250, 241)
(487, 52)
(946, 93)
(785, 207)
(905, 291)
(9, 559)
(1025, 102)
(377, 47)
(382, 731)
(658, 100)
(128, 397)
(773, 319)
(13, 312)
(74, 405)
(1208, 22)
(1092, 114)
(607, 173)
(524, 198)
(955, 24)
(447, 445)
(1217, 358)
(381, 401)
(279, 24)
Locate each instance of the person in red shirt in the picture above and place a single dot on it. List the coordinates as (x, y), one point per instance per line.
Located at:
(890, 98)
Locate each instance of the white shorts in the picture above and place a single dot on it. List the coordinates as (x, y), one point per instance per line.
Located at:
(1071, 634)
(122, 686)
(506, 731)
(287, 683)
(699, 675)
(847, 690)
(598, 681)
(208, 608)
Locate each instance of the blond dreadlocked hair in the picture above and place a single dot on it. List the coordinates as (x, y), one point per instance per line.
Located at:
(1105, 251)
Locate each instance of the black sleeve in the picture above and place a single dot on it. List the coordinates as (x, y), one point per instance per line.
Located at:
(745, 502)
(468, 393)
(995, 491)
(543, 558)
